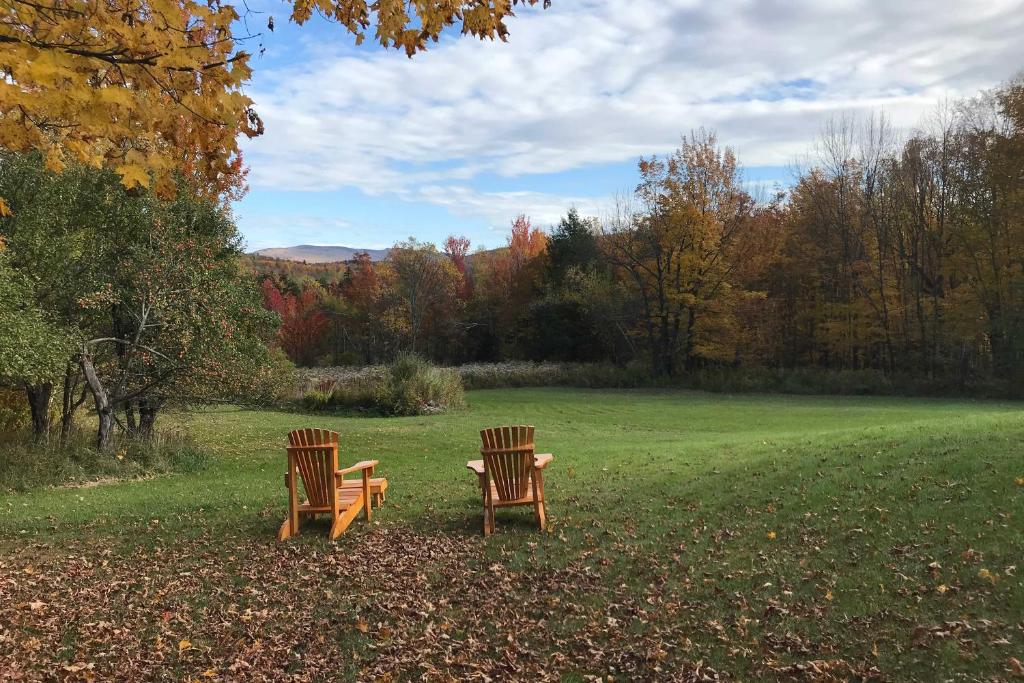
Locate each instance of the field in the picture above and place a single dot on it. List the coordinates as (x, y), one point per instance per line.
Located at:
(692, 535)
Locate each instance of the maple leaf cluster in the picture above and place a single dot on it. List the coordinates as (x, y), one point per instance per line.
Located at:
(155, 88)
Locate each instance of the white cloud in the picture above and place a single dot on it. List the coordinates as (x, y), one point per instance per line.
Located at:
(597, 81)
(498, 208)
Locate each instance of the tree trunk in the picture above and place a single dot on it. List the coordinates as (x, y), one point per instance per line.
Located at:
(104, 407)
(70, 404)
(39, 405)
(129, 417)
(688, 357)
(148, 410)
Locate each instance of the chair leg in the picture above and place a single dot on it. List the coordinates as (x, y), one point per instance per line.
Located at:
(367, 497)
(286, 529)
(488, 519)
(342, 521)
(538, 512)
(538, 499)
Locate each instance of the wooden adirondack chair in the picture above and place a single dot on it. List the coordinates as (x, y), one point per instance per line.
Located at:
(316, 437)
(510, 472)
(324, 483)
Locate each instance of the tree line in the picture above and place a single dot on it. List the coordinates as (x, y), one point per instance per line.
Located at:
(903, 256)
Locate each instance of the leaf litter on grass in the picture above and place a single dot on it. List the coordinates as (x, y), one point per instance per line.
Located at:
(392, 604)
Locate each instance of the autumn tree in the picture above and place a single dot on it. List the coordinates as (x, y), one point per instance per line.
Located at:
(505, 281)
(369, 319)
(174, 320)
(580, 315)
(428, 284)
(457, 249)
(303, 321)
(156, 88)
(672, 246)
(988, 220)
(906, 258)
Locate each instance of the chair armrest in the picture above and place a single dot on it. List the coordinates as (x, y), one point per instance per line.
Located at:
(361, 465)
(476, 465)
(541, 460)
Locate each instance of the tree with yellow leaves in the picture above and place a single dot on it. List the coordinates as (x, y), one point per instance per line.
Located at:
(152, 88)
(675, 249)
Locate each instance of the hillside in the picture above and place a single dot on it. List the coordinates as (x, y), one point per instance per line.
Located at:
(312, 253)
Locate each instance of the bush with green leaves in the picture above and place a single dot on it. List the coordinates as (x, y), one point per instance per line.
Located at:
(409, 386)
(415, 387)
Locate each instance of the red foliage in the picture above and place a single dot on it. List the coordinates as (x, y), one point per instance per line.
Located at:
(456, 248)
(525, 243)
(303, 323)
(362, 284)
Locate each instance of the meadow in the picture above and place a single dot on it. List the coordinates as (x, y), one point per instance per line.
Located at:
(692, 535)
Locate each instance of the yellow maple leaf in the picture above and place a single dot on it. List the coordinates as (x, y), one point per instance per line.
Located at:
(1018, 480)
(55, 160)
(184, 644)
(133, 175)
(987, 575)
(5, 210)
(771, 535)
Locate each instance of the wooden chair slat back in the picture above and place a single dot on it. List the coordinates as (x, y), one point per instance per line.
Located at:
(508, 459)
(312, 437)
(316, 464)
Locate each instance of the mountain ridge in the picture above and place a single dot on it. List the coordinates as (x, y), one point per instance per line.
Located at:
(314, 253)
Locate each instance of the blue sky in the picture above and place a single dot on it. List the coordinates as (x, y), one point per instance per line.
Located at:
(365, 147)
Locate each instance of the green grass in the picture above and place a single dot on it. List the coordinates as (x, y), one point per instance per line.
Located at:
(757, 534)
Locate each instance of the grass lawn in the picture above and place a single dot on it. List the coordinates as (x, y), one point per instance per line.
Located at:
(692, 535)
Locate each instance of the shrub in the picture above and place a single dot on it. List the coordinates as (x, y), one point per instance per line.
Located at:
(316, 399)
(530, 374)
(409, 386)
(415, 387)
(25, 465)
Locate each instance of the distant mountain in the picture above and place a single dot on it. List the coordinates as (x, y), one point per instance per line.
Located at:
(311, 253)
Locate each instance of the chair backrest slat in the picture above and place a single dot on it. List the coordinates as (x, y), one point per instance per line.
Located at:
(508, 459)
(316, 458)
(312, 437)
(316, 466)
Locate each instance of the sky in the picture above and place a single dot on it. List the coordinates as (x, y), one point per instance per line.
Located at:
(364, 147)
